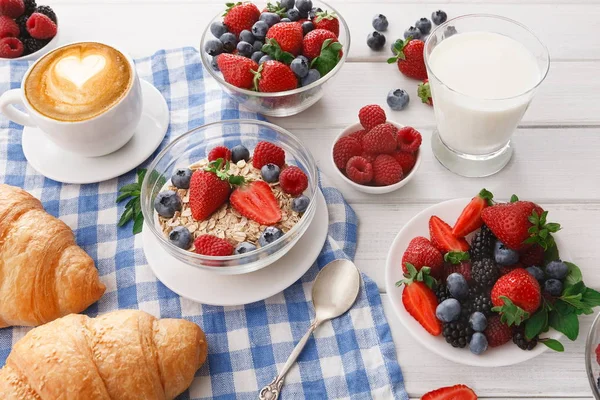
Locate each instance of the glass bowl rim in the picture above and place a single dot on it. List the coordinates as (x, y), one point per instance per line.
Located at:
(589, 356)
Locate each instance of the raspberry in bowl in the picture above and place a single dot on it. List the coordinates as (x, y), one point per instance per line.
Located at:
(276, 60)
(376, 155)
(230, 197)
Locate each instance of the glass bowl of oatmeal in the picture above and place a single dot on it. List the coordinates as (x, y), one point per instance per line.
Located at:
(229, 221)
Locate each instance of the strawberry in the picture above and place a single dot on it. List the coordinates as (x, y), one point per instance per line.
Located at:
(406, 160)
(510, 222)
(420, 253)
(371, 115)
(419, 300)
(288, 36)
(409, 56)
(240, 16)
(210, 245)
(532, 256)
(257, 202)
(274, 76)
(456, 392)
(381, 139)
(442, 238)
(237, 70)
(293, 181)
(497, 332)
(459, 262)
(219, 152)
(313, 42)
(516, 296)
(267, 153)
(470, 218)
(328, 21)
(209, 189)
(424, 92)
(344, 149)
(386, 170)
(597, 351)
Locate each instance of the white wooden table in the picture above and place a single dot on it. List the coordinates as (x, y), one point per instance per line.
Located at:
(556, 161)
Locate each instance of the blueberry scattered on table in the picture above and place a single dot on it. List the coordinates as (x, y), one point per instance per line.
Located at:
(269, 235)
(505, 256)
(300, 67)
(256, 56)
(457, 286)
(244, 248)
(240, 152)
(412, 32)
(167, 203)
(553, 286)
(478, 344)
(448, 310)
(307, 26)
(380, 22)
(398, 99)
(245, 49)
(181, 237)
(229, 41)
(246, 36)
(300, 204)
(213, 47)
(439, 17)
(264, 58)
(557, 269)
(423, 25)
(181, 178)
(478, 321)
(270, 18)
(218, 28)
(259, 29)
(293, 14)
(536, 272)
(270, 173)
(312, 76)
(376, 41)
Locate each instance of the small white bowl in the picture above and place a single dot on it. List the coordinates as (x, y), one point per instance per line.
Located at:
(373, 189)
(52, 44)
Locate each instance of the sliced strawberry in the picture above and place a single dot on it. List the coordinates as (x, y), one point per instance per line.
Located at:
(257, 202)
(456, 392)
(419, 299)
(470, 218)
(442, 237)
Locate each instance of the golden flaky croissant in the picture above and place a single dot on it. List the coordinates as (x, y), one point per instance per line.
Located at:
(44, 275)
(123, 355)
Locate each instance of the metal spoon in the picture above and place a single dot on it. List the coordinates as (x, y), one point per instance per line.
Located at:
(334, 292)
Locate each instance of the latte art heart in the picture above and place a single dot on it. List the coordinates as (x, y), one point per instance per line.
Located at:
(79, 71)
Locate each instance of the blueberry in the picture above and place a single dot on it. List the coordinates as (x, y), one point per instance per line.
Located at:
(457, 286)
(313, 12)
(376, 40)
(313, 76)
(478, 321)
(270, 18)
(218, 28)
(299, 67)
(246, 36)
(167, 203)
(304, 6)
(300, 204)
(536, 272)
(285, 20)
(505, 256)
(424, 25)
(213, 63)
(307, 26)
(181, 178)
(557, 269)
(269, 235)
(259, 29)
(449, 31)
(478, 343)
(229, 41)
(213, 47)
(398, 99)
(256, 56)
(448, 310)
(287, 4)
(380, 22)
(439, 17)
(239, 153)
(257, 45)
(293, 14)
(413, 32)
(553, 286)
(244, 247)
(181, 237)
(264, 58)
(270, 173)
(245, 49)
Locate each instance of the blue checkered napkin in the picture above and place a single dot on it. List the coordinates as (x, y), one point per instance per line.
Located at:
(350, 357)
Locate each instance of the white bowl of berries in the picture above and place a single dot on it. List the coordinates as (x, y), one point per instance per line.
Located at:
(27, 31)
(376, 155)
(491, 290)
(277, 61)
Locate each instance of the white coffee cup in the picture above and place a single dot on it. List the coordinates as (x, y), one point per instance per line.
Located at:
(97, 136)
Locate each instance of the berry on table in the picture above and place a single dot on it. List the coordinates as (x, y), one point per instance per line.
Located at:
(505, 256)
(268, 153)
(270, 173)
(478, 321)
(237, 70)
(300, 66)
(397, 99)
(239, 153)
(386, 170)
(409, 139)
(246, 36)
(376, 40)
(256, 56)
(457, 333)
(497, 332)
(244, 247)
(181, 178)
(304, 6)
(456, 392)
(448, 310)
(381, 139)
(344, 149)
(408, 55)
(210, 245)
(293, 181)
(424, 92)
(359, 170)
(536, 272)
(423, 25)
(557, 269)
(553, 287)
(244, 49)
(181, 237)
(264, 59)
(40, 26)
(478, 344)
(260, 29)
(240, 16)
(485, 272)
(312, 76)
(439, 17)
(229, 41)
(307, 26)
(12, 8)
(213, 47)
(270, 18)
(167, 203)
(380, 22)
(8, 27)
(269, 235)
(219, 152)
(421, 253)
(413, 33)
(218, 28)
(371, 116)
(457, 286)
(300, 204)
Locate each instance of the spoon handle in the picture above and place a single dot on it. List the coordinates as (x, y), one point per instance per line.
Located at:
(272, 390)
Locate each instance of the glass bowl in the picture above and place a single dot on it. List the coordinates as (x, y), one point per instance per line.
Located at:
(280, 104)
(194, 146)
(591, 364)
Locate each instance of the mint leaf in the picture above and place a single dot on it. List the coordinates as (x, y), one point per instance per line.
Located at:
(574, 275)
(122, 197)
(563, 308)
(132, 187)
(126, 217)
(572, 290)
(141, 175)
(590, 298)
(551, 254)
(514, 198)
(536, 324)
(553, 344)
(566, 324)
(138, 223)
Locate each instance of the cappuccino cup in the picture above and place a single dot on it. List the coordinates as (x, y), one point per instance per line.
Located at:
(85, 96)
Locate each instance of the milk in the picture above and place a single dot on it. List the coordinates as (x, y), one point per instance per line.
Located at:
(482, 90)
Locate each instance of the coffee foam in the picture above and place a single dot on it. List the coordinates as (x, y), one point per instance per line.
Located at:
(78, 82)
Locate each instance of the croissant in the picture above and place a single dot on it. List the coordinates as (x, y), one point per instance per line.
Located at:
(44, 275)
(123, 355)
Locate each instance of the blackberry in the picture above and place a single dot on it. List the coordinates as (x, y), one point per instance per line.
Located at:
(520, 340)
(22, 22)
(485, 273)
(482, 302)
(30, 6)
(442, 293)
(32, 45)
(458, 333)
(47, 11)
(482, 245)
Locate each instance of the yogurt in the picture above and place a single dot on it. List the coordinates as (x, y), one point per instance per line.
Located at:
(481, 86)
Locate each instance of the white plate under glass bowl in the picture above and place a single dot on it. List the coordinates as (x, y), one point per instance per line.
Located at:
(507, 354)
(209, 288)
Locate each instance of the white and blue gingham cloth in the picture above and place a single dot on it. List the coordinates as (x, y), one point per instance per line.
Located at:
(352, 357)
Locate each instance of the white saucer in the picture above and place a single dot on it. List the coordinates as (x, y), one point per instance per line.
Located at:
(232, 290)
(63, 166)
(507, 354)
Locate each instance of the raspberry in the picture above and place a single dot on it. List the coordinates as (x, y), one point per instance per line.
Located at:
(8, 27)
(369, 157)
(11, 47)
(210, 245)
(293, 181)
(267, 153)
(371, 116)
(344, 149)
(12, 8)
(358, 135)
(47, 11)
(40, 26)
(359, 170)
(497, 332)
(386, 170)
(219, 152)
(406, 160)
(380, 139)
(409, 139)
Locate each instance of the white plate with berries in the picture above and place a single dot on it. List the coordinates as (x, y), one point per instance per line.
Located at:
(491, 290)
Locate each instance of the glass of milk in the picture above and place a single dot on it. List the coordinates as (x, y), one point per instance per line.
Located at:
(483, 72)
